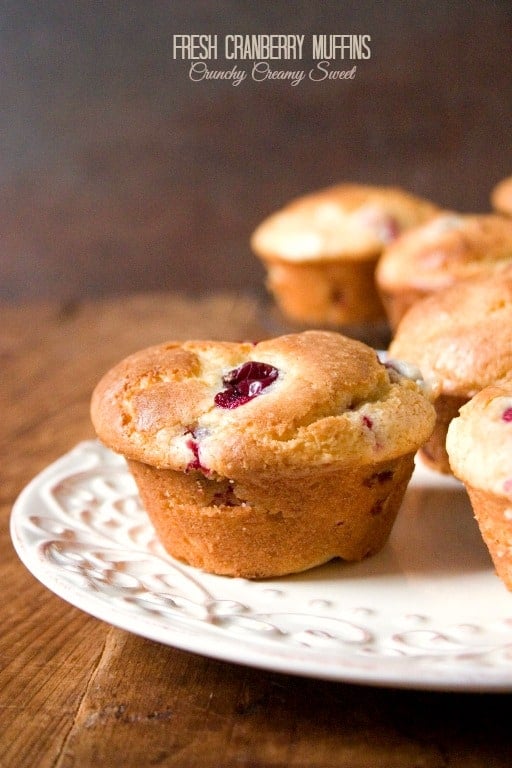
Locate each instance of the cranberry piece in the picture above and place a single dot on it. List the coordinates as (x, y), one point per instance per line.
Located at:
(193, 445)
(336, 296)
(507, 414)
(378, 478)
(390, 229)
(244, 383)
(507, 485)
(367, 422)
(195, 463)
(226, 498)
(385, 225)
(378, 507)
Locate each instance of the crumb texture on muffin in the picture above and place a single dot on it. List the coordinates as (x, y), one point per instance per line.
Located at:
(345, 220)
(273, 525)
(479, 440)
(460, 336)
(447, 248)
(324, 400)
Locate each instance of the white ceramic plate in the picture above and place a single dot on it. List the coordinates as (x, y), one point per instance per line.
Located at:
(427, 612)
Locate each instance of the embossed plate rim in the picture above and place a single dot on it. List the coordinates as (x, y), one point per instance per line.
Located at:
(332, 623)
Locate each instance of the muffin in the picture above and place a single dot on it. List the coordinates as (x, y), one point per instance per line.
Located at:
(479, 445)
(321, 249)
(264, 459)
(501, 196)
(449, 248)
(460, 338)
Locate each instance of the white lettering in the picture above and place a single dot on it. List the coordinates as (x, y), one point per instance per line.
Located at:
(268, 47)
(341, 46)
(199, 70)
(261, 71)
(322, 72)
(194, 46)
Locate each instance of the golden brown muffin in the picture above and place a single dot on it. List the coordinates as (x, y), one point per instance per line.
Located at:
(501, 196)
(479, 445)
(461, 340)
(321, 249)
(449, 248)
(263, 459)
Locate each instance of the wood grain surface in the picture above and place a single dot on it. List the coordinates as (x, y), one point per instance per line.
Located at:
(75, 692)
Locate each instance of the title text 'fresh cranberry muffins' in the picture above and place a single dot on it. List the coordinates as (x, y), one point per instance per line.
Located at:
(449, 248)
(461, 340)
(321, 249)
(501, 196)
(258, 460)
(479, 445)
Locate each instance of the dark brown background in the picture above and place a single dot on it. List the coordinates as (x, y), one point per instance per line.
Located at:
(119, 174)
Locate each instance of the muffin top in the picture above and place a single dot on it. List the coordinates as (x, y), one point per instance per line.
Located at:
(345, 221)
(295, 402)
(460, 337)
(501, 196)
(448, 248)
(479, 441)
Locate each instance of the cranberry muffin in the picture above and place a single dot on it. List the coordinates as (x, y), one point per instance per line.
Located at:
(461, 340)
(258, 460)
(449, 248)
(320, 250)
(479, 445)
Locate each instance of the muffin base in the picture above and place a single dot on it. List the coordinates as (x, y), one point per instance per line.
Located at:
(330, 293)
(493, 514)
(433, 452)
(273, 525)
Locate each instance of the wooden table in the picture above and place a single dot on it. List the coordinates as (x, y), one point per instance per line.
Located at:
(78, 692)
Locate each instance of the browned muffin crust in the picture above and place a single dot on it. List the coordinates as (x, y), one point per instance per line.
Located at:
(461, 340)
(148, 406)
(261, 459)
(320, 250)
(449, 248)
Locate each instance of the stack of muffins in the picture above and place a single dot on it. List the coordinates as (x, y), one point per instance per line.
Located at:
(444, 281)
(258, 460)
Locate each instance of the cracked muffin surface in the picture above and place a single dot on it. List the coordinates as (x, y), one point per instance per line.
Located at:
(314, 398)
(346, 220)
(460, 339)
(442, 252)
